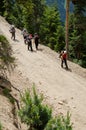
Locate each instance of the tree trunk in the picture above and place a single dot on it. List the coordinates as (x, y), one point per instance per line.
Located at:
(67, 26)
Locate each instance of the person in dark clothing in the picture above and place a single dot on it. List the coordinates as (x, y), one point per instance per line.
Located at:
(25, 35)
(12, 31)
(29, 42)
(36, 40)
(63, 56)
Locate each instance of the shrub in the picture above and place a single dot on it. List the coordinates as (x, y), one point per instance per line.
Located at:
(34, 113)
(6, 58)
(59, 123)
(39, 116)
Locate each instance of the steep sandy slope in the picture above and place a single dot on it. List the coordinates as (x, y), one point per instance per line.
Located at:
(63, 90)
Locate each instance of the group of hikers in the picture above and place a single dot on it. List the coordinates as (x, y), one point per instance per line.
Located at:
(27, 37)
(28, 40)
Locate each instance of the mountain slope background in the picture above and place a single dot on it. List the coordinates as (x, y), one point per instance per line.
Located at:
(63, 90)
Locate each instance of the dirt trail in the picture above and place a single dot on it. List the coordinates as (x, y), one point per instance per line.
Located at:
(63, 90)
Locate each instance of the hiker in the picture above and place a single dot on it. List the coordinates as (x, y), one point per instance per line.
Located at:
(63, 56)
(12, 31)
(25, 35)
(36, 40)
(29, 42)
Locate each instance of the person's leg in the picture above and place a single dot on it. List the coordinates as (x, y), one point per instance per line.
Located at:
(28, 45)
(14, 36)
(25, 39)
(36, 45)
(65, 61)
(62, 63)
(31, 46)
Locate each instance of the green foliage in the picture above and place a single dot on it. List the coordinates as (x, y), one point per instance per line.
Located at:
(77, 31)
(1, 126)
(83, 63)
(1, 7)
(60, 39)
(33, 112)
(59, 123)
(6, 59)
(13, 13)
(39, 116)
(38, 9)
(52, 42)
(15, 17)
(8, 6)
(51, 32)
(31, 14)
(27, 19)
(74, 45)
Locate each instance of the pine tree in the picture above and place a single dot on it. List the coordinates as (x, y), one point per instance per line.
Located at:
(78, 24)
(49, 26)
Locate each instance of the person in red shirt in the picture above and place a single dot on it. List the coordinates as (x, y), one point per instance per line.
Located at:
(64, 59)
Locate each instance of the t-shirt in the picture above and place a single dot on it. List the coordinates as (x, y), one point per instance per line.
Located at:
(64, 55)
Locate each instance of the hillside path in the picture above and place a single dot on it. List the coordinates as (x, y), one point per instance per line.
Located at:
(63, 90)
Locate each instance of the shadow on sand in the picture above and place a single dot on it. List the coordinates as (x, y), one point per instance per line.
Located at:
(16, 40)
(40, 49)
(67, 69)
